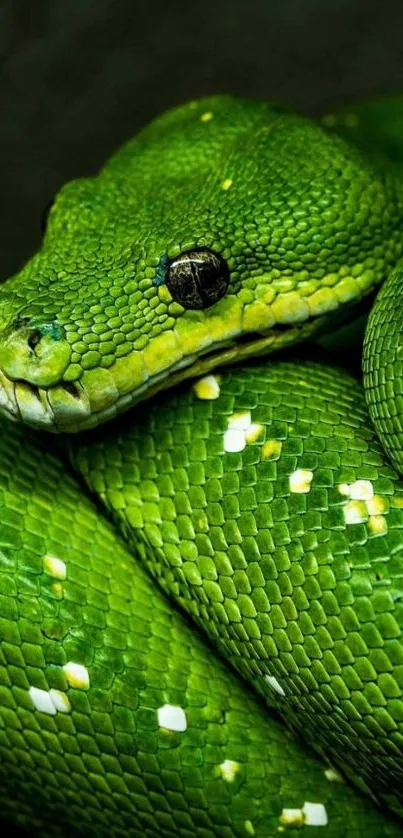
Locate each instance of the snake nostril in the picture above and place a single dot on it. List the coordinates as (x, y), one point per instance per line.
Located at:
(34, 338)
(34, 353)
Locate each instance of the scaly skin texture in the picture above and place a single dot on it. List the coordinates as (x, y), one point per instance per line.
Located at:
(261, 502)
(90, 654)
(382, 362)
(305, 223)
(376, 128)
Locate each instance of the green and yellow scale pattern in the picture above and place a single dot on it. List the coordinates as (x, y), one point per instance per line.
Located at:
(383, 368)
(115, 718)
(307, 225)
(268, 512)
(258, 498)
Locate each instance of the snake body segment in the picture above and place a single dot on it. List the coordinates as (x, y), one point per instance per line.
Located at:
(115, 718)
(258, 498)
(270, 514)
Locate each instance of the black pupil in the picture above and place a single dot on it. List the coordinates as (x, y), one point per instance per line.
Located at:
(198, 278)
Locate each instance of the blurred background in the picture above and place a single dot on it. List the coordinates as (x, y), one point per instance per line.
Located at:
(77, 78)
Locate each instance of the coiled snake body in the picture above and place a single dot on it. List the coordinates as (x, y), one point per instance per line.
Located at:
(257, 495)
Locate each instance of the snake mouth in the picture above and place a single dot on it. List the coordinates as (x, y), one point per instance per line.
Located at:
(51, 409)
(100, 395)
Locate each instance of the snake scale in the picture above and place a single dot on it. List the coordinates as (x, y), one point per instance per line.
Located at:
(261, 496)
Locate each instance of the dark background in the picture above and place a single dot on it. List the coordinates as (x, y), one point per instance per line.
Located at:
(77, 77)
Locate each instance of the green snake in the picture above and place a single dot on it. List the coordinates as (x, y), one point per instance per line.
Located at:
(259, 496)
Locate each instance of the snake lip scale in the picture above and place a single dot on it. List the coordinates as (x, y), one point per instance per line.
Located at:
(69, 407)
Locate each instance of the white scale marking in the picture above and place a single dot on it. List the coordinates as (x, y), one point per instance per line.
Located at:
(49, 701)
(55, 567)
(300, 480)
(274, 684)
(172, 717)
(229, 769)
(241, 430)
(77, 675)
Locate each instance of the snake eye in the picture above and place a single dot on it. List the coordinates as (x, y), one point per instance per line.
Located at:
(197, 278)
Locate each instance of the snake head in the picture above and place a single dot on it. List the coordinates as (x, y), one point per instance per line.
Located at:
(227, 228)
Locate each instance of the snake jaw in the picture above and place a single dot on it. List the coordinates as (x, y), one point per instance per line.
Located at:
(100, 395)
(52, 409)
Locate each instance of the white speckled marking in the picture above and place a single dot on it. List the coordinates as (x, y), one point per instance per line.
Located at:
(226, 184)
(355, 512)
(55, 567)
(274, 684)
(314, 814)
(77, 675)
(234, 441)
(60, 701)
(205, 117)
(172, 717)
(229, 769)
(333, 775)
(311, 814)
(240, 421)
(239, 426)
(42, 701)
(364, 506)
(207, 388)
(49, 702)
(292, 817)
(249, 828)
(361, 490)
(300, 480)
